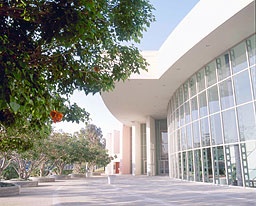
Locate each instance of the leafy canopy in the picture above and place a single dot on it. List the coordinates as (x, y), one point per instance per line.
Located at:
(50, 48)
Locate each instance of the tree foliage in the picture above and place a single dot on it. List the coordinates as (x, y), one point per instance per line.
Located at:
(50, 48)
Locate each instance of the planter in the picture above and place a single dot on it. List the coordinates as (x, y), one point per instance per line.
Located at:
(77, 175)
(61, 177)
(9, 190)
(43, 179)
(24, 183)
(96, 174)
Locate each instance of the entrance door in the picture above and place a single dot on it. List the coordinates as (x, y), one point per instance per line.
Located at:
(117, 167)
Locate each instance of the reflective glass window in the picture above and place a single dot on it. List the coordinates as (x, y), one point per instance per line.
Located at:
(249, 164)
(253, 74)
(194, 108)
(213, 99)
(184, 165)
(210, 73)
(202, 104)
(181, 99)
(238, 58)
(192, 85)
(226, 94)
(185, 90)
(182, 118)
(176, 99)
(178, 140)
(183, 138)
(190, 166)
(223, 66)
(200, 78)
(219, 164)
(242, 87)
(177, 124)
(216, 133)
(207, 164)
(246, 122)
(229, 126)
(196, 134)
(198, 165)
(189, 137)
(205, 134)
(187, 112)
(251, 48)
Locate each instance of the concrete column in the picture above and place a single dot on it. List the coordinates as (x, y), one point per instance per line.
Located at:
(126, 151)
(136, 149)
(151, 145)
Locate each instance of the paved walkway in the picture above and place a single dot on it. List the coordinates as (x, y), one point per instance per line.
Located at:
(130, 190)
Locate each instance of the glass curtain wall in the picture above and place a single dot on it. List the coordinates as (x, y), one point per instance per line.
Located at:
(212, 121)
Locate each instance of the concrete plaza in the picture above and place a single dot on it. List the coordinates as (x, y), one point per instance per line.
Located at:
(130, 190)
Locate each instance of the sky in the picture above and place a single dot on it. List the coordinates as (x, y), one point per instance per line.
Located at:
(168, 14)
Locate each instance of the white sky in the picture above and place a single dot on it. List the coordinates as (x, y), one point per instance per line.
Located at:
(168, 14)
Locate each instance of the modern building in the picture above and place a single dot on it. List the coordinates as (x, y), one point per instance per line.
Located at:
(193, 114)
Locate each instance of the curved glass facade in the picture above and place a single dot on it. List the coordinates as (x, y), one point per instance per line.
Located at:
(212, 121)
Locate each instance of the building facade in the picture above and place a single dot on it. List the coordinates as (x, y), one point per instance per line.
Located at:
(193, 114)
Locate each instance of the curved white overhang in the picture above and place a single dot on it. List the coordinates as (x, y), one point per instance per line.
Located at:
(207, 31)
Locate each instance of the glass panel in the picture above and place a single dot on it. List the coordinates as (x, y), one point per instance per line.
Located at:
(253, 74)
(229, 126)
(177, 99)
(238, 57)
(200, 80)
(251, 48)
(190, 166)
(207, 165)
(248, 163)
(187, 112)
(194, 108)
(178, 140)
(189, 137)
(185, 89)
(192, 85)
(177, 119)
(198, 165)
(181, 99)
(213, 100)
(184, 165)
(246, 122)
(233, 163)
(202, 104)
(223, 66)
(216, 129)
(196, 134)
(183, 138)
(182, 118)
(210, 73)
(180, 167)
(242, 87)
(219, 165)
(205, 134)
(226, 94)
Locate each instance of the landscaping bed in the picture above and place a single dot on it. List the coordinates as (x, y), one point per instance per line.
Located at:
(9, 189)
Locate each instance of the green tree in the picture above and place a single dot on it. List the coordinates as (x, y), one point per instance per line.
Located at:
(98, 155)
(50, 48)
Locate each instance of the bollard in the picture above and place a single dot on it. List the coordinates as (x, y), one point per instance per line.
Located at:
(111, 179)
